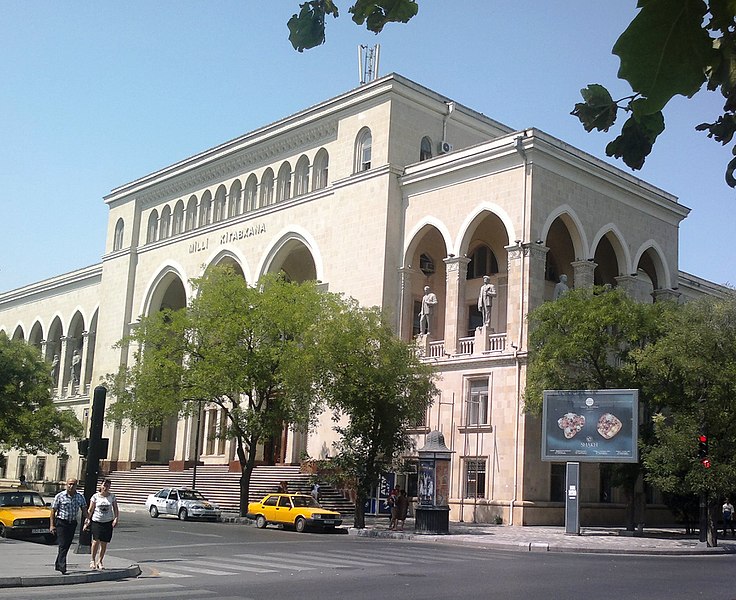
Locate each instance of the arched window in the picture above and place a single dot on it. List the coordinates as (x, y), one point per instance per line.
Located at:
(117, 243)
(321, 169)
(218, 213)
(425, 149)
(482, 262)
(178, 225)
(235, 193)
(363, 145)
(301, 176)
(251, 193)
(191, 216)
(266, 188)
(152, 233)
(165, 224)
(283, 183)
(205, 208)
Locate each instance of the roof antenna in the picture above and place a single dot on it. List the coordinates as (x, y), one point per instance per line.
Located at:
(368, 62)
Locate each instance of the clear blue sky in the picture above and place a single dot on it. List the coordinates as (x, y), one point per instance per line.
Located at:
(96, 94)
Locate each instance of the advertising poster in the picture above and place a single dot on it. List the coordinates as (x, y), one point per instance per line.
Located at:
(590, 426)
(426, 482)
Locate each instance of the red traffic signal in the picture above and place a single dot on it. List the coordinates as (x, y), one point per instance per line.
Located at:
(703, 450)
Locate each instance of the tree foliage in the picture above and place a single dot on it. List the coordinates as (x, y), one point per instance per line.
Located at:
(29, 420)
(672, 47)
(307, 28)
(377, 388)
(240, 348)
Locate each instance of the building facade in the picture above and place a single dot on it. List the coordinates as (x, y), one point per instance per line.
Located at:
(378, 193)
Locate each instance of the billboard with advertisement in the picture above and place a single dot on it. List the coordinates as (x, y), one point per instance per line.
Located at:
(590, 426)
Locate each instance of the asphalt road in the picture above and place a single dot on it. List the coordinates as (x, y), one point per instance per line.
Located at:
(225, 561)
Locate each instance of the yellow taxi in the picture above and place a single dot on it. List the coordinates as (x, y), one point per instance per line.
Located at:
(298, 510)
(23, 513)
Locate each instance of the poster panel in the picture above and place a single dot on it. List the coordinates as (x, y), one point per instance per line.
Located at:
(590, 426)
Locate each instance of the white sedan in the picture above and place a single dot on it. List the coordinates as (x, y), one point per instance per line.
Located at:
(182, 502)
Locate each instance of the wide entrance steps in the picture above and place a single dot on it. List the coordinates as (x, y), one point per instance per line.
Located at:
(220, 485)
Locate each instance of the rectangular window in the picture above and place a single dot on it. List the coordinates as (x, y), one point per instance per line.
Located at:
(61, 474)
(476, 409)
(475, 477)
(40, 474)
(415, 318)
(21, 468)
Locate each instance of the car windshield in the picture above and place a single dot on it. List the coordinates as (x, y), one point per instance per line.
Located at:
(305, 501)
(191, 495)
(21, 499)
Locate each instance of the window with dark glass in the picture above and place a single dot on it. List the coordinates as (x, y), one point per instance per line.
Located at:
(482, 262)
(425, 149)
(475, 478)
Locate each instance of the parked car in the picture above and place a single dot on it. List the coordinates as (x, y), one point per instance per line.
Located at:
(185, 503)
(298, 510)
(24, 513)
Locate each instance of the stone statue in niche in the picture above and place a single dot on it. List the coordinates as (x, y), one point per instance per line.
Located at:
(485, 300)
(429, 301)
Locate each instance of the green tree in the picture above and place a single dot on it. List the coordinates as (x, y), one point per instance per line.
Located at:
(672, 47)
(378, 389)
(588, 339)
(694, 367)
(29, 420)
(307, 28)
(244, 349)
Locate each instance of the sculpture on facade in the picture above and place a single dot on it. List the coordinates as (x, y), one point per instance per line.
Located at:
(485, 300)
(429, 300)
(76, 366)
(55, 369)
(561, 288)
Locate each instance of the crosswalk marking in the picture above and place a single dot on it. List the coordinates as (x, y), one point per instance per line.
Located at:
(282, 562)
(301, 561)
(237, 567)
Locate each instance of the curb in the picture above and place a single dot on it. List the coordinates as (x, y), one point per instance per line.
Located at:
(44, 580)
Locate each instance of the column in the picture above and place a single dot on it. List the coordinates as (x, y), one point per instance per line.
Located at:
(63, 375)
(664, 294)
(456, 269)
(583, 272)
(82, 388)
(536, 285)
(406, 300)
(514, 320)
(638, 289)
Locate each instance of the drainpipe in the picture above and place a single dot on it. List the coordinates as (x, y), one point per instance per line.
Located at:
(519, 147)
(450, 109)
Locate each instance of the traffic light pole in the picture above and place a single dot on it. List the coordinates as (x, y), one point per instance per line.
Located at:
(94, 453)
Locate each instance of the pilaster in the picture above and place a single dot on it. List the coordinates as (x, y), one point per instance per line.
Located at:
(583, 270)
(664, 294)
(456, 269)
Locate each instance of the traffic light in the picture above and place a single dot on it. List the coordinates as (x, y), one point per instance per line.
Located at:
(703, 450)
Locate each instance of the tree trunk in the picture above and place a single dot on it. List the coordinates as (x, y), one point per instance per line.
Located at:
(359, 519)
(712, 529)
(247, 462)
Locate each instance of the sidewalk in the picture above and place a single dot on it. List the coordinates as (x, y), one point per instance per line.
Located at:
(28, 564)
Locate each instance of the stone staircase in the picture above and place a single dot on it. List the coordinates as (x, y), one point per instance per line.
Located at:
(220, 485)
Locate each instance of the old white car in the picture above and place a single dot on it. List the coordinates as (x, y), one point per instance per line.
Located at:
(184, 503)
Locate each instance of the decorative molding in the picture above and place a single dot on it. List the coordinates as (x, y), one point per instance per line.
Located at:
(241, 160)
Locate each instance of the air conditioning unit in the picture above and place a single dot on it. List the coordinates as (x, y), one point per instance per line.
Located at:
(445, 147)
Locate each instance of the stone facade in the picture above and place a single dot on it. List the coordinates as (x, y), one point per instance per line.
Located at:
(359, 193)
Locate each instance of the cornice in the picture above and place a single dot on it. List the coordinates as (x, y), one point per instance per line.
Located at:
(86, 276)
(209, 169)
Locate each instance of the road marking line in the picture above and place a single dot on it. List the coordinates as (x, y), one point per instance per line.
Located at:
(236, 567)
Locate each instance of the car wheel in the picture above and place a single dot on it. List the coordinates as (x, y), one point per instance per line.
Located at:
(183, 514)
(154, 512)
(261, 522)
(3, 531)
(300, 525)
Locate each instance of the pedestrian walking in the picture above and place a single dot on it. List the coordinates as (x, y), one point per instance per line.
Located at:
(391, 503)
(314, 492)
(64, 510)
(103, 518)
(727, 512)
(402, 508)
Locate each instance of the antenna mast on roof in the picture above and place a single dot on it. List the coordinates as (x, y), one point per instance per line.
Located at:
(368, 62)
